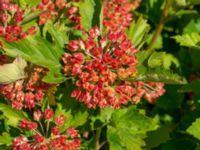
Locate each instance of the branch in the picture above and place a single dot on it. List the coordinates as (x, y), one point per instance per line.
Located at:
(159, 27)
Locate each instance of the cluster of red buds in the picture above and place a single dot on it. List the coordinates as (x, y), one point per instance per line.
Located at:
(99, 64)
(50, 9)
(11, 15)
(28, 92)
(102, 63)
(73, 15)
(117, 16)
(47, 133)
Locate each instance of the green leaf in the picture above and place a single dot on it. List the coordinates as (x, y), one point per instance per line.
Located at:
(188, 40)
(79, 119)
(128, 129)
(5, 139)
(159, 75)
(194, 129)
(22, 3)
(13, 71)
(162, 59)
(12, 116)
(71, 120)
(86, 10)
(104, 117)
(137, 32)
(114, 139)
(38, 51)
(58, 34)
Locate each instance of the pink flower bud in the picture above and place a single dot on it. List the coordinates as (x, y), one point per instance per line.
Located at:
(48, 113)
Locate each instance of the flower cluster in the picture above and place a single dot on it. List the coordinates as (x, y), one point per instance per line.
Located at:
(50, 9)
(11, 15)
(98, 65)
(26, 93)
(53, 138)
(117, 15)
(102, 63)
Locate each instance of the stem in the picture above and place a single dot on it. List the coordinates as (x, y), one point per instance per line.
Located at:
(97, 138)
(102, 144)
(41, 127)
(159, 27)
(47, 130)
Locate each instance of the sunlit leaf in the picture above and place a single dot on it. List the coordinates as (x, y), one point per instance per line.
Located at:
(162, 59)
(13, 71)
(194, 129)
(12, 116)
(137, 32)
(188, 40)
(5, 139)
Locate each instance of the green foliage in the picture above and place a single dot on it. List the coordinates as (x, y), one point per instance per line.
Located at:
(12, 116)
(194, 129)
(86, 10)
(172, 123)
(189, 40)
(38, 51)
(159, 75)
(162, 59)
(138, 31)
(71, 120)
(5, 139)
(128, 129)
(57, 32)
(102, 118)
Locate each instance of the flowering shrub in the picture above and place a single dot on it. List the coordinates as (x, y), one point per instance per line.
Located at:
(85, 74)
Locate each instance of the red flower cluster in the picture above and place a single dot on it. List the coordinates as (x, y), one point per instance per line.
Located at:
(101, 64)
(117, 15)
(24, 93)
(41, 140)
(10, 17)
(50, 9)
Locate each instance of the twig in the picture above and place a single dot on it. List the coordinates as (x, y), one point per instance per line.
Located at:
(97, 138)
(159, 27)
(102, 144)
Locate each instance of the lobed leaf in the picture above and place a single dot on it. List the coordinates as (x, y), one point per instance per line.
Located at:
(188, 40)
(162, 59)
(128, 129)
(137, 32)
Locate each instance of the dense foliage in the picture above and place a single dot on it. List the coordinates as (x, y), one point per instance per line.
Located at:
(99, 74)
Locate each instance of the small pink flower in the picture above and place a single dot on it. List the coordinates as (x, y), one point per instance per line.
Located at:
(48, 113)
(37, 115)
(72, 132)
(60, 120)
